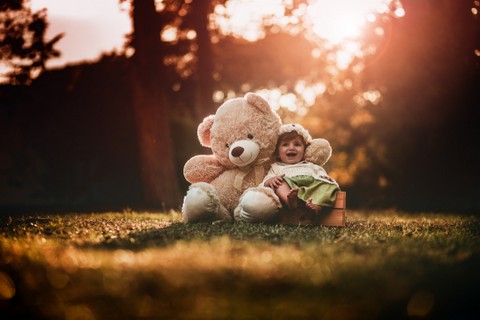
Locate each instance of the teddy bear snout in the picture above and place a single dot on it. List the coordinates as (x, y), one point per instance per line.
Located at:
(243, 152)
(237, 151)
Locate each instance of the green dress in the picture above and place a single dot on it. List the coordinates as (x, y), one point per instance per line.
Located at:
(322, 191)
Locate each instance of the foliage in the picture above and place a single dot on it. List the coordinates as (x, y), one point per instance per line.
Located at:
(126, 265)
(23, 47)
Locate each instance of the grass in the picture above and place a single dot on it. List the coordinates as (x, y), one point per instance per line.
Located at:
(382, 265)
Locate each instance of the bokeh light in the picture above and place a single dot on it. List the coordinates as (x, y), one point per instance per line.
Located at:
(7, 287)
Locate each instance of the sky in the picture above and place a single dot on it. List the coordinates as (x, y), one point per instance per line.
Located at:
(90, 27)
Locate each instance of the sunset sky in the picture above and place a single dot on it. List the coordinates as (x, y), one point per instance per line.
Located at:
(90, 27)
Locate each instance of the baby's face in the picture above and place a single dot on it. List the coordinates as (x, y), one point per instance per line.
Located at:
(291, 151)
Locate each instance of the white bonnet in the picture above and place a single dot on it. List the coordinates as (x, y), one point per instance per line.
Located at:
(299, 129)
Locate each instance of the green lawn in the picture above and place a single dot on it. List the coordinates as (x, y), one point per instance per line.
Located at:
(382, 265)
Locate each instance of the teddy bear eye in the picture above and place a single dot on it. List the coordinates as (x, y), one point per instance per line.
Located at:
(226, 145)
(250, 136)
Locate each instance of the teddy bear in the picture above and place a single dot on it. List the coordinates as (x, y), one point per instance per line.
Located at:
(225, 185)
(242, 135)
(261, 204)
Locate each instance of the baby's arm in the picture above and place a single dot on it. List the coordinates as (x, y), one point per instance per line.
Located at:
(274, 182)
(270, 174)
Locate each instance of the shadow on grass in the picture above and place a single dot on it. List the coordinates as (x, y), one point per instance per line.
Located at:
(205, 232)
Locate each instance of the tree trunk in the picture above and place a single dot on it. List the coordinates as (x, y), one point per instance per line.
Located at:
(204, 83)
(151, 110)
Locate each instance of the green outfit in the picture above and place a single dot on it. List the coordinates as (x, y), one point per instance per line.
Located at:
(311, 180)
(322, 191)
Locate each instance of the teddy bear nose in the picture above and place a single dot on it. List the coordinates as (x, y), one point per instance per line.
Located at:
(237, 151)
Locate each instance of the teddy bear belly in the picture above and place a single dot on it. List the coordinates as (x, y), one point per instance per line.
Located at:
(225, 186)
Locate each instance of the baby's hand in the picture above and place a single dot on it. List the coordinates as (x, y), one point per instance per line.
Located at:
(274, 182)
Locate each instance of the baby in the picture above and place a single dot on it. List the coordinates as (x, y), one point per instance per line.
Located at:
(294, 179)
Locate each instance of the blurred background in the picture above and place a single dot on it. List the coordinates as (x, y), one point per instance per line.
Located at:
(100, 100)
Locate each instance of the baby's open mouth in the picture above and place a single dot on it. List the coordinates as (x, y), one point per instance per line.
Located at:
(291, 154)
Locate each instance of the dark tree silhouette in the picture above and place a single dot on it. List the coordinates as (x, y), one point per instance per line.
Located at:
(23, 47)
(204, 84)
(158, 65)
(149, 80)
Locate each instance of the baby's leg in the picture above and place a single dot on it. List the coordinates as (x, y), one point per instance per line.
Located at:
(287, 196)
(292, 197)
(315, 208)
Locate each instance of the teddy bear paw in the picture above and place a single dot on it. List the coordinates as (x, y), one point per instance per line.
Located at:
(201, 203)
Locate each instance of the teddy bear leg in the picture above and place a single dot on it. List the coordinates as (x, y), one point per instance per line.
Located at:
(257, 205)
(201, 203)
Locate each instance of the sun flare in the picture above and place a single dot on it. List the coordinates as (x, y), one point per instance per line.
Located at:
(334, 21)
(335, 27)
(338, 20)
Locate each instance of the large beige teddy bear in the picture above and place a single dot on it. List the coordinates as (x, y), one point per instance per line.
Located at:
(242, 135)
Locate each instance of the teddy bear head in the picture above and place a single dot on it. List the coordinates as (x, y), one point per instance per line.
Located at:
(242, 132)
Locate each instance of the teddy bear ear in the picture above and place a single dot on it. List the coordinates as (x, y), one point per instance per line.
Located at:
(258, 102)
(319, 151)
(203, 130)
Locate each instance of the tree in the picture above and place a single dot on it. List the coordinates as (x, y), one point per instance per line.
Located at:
(23, 48)
(149, 82)
(159, 63)
(204, 84)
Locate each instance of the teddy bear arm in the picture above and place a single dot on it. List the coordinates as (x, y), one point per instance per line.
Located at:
(202, 168)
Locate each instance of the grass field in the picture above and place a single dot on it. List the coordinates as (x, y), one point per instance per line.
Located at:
(382, 265)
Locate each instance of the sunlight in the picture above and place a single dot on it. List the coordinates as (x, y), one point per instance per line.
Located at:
(7, 287)
(334, 21)
(159, 5)
(245, 18)
(298, 101)
(169, 34)
(336, 25)
(4, 70)
(346, 53)
(309, 92)
(368, 97)
(399, 12)
(304, 96)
